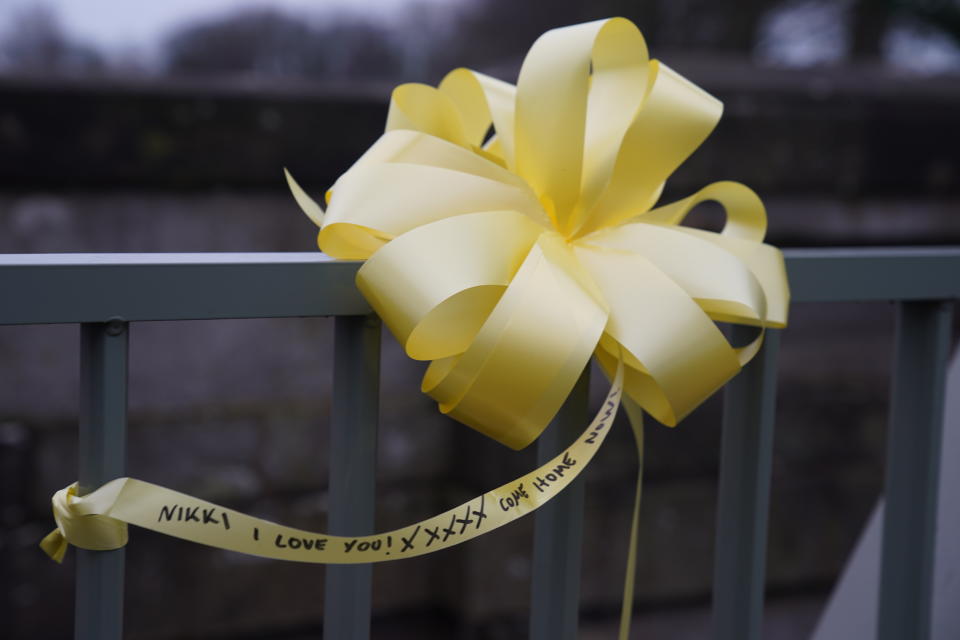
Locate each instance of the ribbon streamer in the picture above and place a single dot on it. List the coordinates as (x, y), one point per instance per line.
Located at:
(98, 520)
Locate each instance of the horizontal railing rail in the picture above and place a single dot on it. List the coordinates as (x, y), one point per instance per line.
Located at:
(106, 292)
(95, 287)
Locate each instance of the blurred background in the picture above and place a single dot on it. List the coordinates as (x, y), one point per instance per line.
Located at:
(164, 127)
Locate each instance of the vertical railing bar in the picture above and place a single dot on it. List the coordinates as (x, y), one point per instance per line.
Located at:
(913, 464)
(102, 457)
(744, 494)
(353, 457)
(558, 531)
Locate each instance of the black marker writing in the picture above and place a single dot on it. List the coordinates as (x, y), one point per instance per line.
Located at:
(513, 500)
(201, 515)
(465, 521)
(292, 542)
(480, 514)
(448, 531)
(604, 421)
(361, 546)
(408, 542)
(541, 483)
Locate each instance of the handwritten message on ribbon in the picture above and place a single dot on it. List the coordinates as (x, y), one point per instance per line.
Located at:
(131, 501)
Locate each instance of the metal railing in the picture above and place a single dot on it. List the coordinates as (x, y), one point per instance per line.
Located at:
(106, 292)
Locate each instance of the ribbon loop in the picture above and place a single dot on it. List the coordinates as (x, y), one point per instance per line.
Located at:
(378, 212)
(579, 90)
(479, 262)
(529, 353)
(718, 281)
(746, 215)
(675, 119)
(424, 108)
(648, 325)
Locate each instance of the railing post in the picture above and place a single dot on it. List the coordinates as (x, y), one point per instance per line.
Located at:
(558, 531)
(913, 467)
(353, 458)
(742, 506)
(103, 444)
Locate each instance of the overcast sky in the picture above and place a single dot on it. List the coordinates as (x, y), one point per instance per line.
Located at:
(140, 24)
(795, 34)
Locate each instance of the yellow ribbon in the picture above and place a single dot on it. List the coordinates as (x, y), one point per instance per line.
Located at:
(98, 520)
(507, 261)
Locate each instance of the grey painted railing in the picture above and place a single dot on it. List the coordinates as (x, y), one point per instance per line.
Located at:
(104, 293)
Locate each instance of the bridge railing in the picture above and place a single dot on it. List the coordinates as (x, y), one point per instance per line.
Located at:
(106, 293)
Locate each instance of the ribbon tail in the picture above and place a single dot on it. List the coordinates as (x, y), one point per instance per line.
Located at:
(55, 545)
(307, 204)
(635, 416)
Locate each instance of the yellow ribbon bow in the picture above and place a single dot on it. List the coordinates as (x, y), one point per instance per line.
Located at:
(507, 260)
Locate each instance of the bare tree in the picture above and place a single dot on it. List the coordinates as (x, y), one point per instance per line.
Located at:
(268, 42)
(942, 14)
(36, 43)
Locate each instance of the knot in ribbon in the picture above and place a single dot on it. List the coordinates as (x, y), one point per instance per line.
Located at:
(79, 526)
(508, 259)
